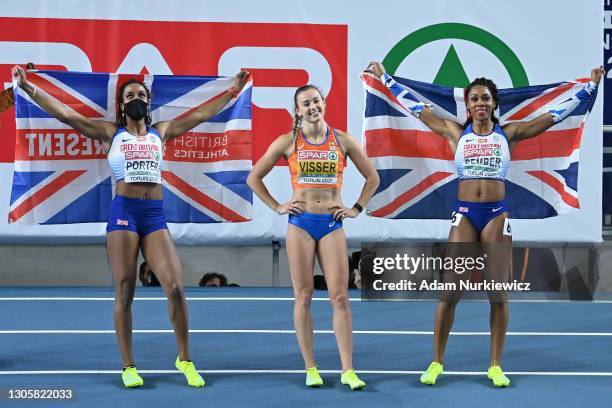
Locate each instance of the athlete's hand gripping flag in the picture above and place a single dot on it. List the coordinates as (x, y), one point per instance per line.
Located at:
(417, 169)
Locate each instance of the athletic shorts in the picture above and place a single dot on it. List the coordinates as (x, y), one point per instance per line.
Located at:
(316, 225)
(136, 215)
(479, 214)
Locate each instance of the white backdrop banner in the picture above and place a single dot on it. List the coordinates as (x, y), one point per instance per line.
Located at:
(286, 45)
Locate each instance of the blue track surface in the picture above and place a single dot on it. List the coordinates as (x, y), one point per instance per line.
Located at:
(98, 352)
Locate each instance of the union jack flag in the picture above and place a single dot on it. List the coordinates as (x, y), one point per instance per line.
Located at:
(416, 166)
(62, 177)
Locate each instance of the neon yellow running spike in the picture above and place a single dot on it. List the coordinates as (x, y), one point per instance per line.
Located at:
(130, 377)
(498, 377)
(313, 378)
(194, 379)
(430, 376)
(350, 378)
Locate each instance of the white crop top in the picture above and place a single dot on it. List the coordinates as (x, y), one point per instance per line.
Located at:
(482, 156)
(136, 159)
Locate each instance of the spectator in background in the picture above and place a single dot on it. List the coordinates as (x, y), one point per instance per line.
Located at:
(355, 269)
(353, 272)
(357, 279)
(146, 275)
(365, 261)
(354, 279)
(319, 282)
(213, 279)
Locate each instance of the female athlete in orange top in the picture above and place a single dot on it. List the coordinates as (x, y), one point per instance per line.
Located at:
(316, 156)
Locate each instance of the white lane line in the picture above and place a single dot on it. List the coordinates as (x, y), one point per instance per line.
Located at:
(267, 299)
(301, 372)
(289, 331)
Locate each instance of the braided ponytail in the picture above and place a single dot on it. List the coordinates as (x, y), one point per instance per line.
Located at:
(297, 121)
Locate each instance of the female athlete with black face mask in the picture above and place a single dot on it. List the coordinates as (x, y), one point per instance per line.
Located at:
(136, 218)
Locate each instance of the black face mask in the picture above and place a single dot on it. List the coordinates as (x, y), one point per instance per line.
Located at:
(135, 109)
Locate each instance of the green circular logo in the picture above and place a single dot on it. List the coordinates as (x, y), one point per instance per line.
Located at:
(333, 156)
(156, 155)
(466, 32)
(497, 152)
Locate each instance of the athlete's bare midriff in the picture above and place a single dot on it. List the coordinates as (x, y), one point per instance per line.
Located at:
(481, 190)
(318, 200)
(144, 191)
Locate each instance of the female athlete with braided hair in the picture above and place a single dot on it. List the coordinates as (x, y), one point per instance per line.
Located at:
(481, 213)
(316, 155)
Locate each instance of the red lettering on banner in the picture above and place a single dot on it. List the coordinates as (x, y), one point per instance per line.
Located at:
(43, 144)
(330, 41)
(210, 147)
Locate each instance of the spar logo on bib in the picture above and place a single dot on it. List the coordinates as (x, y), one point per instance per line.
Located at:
(463, 51)
(315, 155)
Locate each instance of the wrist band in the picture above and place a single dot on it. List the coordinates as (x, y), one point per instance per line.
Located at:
(409, 101)
(569, 105)
(358, 207)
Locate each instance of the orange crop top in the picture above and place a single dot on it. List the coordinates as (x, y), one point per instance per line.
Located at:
(317, 165)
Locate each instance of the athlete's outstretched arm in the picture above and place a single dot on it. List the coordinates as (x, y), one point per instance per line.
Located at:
(446, 128)
(174, 128)
(518, 131)
(95, 129)
(264, 165)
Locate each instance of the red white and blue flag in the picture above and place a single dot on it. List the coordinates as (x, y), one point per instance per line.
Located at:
(63, 177)
(417, 169)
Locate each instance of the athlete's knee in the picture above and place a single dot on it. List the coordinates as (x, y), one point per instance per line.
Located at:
(124, 293)
(448, 304)
(498, 298)
(450, 298)
(175, 291)
(339, 299)
(303, 297)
